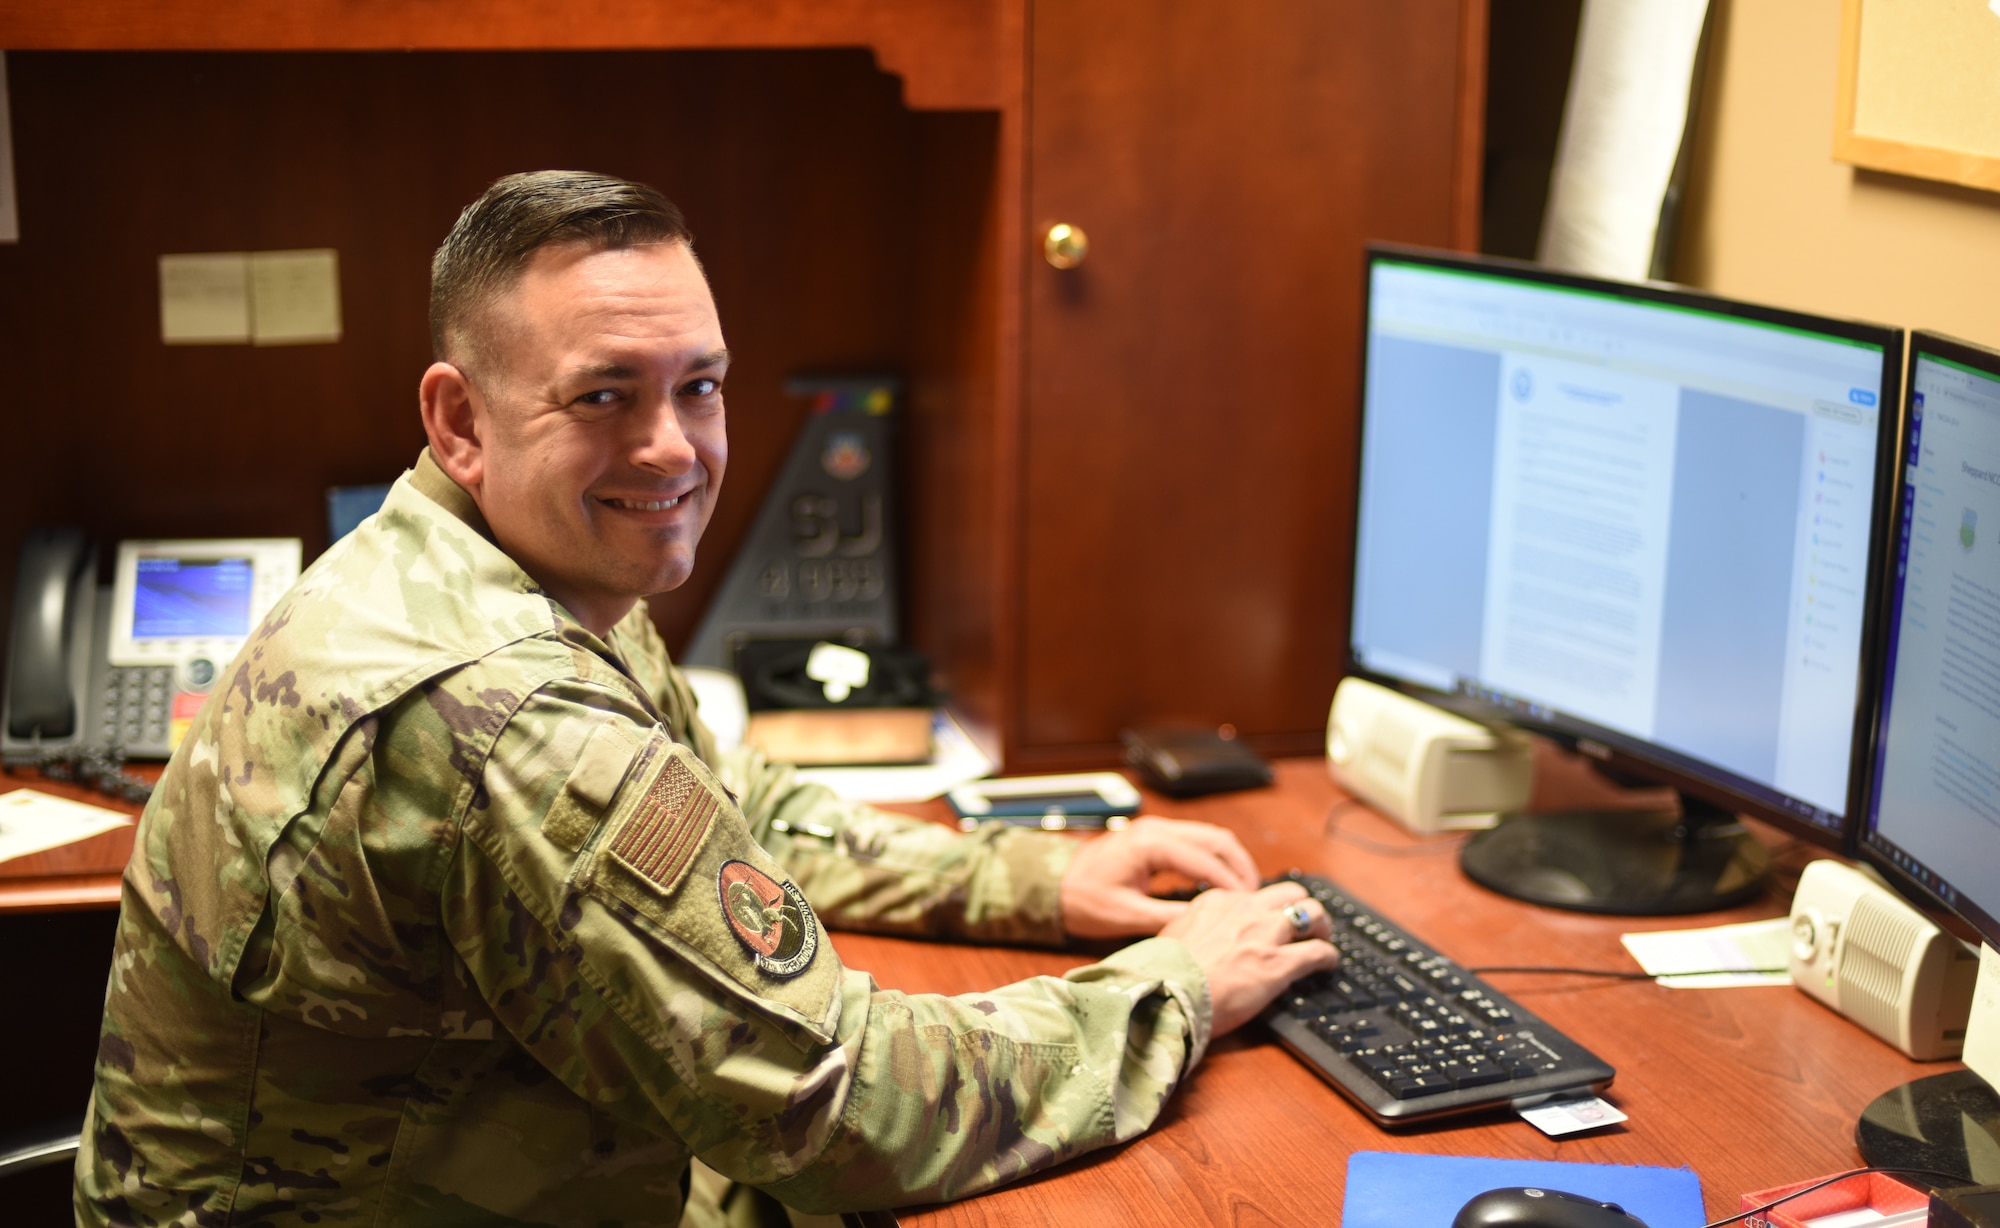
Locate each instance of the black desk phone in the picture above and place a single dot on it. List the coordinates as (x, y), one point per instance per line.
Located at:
(127, 665)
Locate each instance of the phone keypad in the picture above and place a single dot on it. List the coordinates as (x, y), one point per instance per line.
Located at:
(138, 700)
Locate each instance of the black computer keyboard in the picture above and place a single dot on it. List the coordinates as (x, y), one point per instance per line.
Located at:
(1409, 1035)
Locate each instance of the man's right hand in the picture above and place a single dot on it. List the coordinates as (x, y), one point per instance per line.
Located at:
(1250, 949)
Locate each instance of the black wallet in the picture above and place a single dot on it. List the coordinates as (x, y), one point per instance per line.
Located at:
(1182, 762)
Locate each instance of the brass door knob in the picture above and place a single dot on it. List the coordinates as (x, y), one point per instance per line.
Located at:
(1064, 246)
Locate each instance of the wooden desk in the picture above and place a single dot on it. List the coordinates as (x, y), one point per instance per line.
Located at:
(1751, 1088)
(75, 876)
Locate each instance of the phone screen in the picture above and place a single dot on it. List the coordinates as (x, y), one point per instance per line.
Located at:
(1064, 801)
(178, 599)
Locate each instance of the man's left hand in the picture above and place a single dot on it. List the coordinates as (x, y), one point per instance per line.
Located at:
(1104, 890)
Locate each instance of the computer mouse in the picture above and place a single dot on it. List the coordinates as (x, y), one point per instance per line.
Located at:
(1519, 1207)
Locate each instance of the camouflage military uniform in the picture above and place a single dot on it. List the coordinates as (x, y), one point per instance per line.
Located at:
(440, 916)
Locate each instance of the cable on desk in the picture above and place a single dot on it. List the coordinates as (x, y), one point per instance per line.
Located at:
(1345, 804)
(1952, 1180)
(1622, 975)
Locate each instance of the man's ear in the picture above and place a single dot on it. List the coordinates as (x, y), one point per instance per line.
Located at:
(456, 424)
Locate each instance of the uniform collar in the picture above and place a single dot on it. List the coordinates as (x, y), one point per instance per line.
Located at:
(435, 484)
(431, 481)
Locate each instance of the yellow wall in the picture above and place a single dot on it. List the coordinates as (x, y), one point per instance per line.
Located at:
(1771, 217)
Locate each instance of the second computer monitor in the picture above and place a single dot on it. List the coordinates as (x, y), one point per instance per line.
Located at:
(1640, 518)
(1933, 808)
(1932, 815)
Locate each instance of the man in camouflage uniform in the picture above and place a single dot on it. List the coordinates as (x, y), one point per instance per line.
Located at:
(447, 912)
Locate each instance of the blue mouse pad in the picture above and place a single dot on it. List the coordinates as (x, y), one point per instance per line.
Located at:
(1388, 1190)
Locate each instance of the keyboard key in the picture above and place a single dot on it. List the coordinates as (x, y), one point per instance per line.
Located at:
(1482, 1075)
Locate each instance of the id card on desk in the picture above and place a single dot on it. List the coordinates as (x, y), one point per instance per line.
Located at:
(1570, 1115)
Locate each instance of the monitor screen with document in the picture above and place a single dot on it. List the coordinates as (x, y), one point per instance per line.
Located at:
(1640, 518)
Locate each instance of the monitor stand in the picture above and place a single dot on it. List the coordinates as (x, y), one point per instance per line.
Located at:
(1946, 1123)
(1632, 862)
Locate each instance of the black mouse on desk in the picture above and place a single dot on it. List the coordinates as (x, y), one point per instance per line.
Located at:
(1519, 1207)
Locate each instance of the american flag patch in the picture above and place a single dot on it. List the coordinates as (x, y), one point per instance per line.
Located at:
(669, 823)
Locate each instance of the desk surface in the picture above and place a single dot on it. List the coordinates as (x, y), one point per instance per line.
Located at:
(75, 876)
(1751, 1088)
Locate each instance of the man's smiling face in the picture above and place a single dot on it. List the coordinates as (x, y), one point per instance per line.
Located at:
(599, 399)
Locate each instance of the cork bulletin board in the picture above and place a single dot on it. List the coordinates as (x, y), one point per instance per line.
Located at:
(1920, 89)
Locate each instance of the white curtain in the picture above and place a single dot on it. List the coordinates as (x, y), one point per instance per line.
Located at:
(1621, 131)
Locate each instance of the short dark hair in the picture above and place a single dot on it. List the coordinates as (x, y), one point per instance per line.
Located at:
(495, 237)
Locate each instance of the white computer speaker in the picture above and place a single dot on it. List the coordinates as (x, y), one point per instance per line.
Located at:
(1423, 766)
(1860, 949)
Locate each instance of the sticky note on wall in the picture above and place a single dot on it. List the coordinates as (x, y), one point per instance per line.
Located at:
(295, 297)
(205, 298)
(237, 298)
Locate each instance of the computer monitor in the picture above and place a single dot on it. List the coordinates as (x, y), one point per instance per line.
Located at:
(1643, 520)
(1931, 820)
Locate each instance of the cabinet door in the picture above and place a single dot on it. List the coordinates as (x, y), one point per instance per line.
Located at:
(1189, 431)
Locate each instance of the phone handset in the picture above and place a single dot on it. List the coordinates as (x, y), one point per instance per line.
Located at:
(48, 658)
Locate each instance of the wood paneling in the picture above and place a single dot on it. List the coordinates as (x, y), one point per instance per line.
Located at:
(1191, 388)
(800, 172)
(951, 464)
(948, 53)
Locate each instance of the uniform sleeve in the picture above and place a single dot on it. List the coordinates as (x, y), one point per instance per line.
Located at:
(867, 869)
(863, 868)
(611, 904)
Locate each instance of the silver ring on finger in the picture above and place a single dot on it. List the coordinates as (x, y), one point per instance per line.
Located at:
(1300, 917)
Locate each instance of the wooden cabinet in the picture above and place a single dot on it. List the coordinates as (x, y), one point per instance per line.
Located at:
(1130, 483)
(1188, 419)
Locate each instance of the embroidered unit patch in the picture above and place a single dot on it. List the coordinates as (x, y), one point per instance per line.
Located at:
(668, 825)
(771, 918)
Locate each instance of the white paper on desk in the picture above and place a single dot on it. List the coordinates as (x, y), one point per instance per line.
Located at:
(32, 822)
(1752, 944)
(955, 759)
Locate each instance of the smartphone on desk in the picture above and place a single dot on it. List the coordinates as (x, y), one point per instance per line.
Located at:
(1053, 803)
(128, 664)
